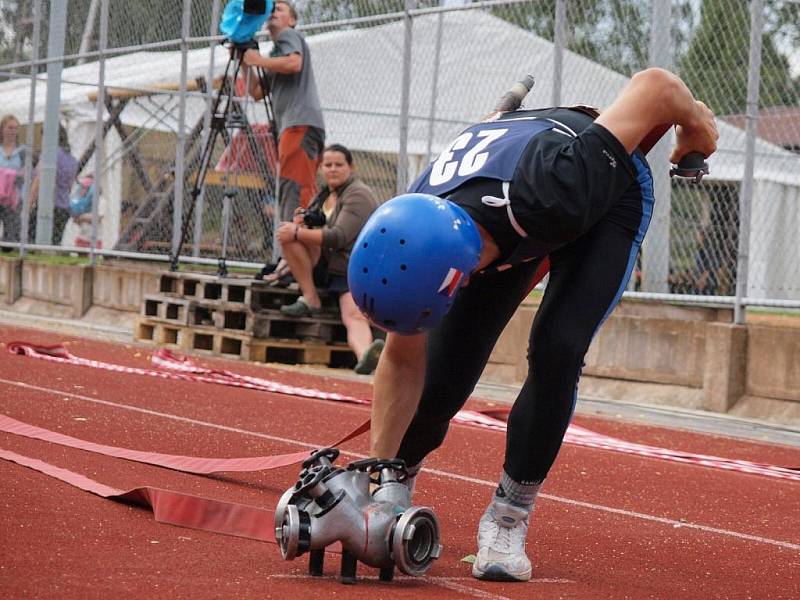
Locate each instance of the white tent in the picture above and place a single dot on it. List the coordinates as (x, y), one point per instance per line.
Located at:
(358, 73)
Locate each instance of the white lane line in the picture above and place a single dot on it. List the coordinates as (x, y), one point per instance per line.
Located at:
(456, 584)
(447, 583)
(628, 513)
(446, 474)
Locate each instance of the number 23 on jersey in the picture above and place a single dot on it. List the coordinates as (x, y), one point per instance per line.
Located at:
(465, 156)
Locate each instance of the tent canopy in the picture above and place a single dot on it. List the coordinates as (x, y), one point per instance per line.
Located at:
(358, 74)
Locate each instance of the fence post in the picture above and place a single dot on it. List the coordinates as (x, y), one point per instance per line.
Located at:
(199, 207)
(26, 186)
(559, 43)
(746, 192)
(437, 54)
(656, 248)
(402, 151)
(99, 145)
(177, 200)
(47, 164)
(88, 29)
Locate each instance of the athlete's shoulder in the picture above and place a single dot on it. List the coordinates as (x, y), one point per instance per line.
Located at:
(528, 113)
(572, 119)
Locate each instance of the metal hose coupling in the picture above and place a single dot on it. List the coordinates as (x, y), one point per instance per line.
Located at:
(330, 504)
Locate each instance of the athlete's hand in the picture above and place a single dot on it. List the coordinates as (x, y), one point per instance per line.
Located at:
(700, 135)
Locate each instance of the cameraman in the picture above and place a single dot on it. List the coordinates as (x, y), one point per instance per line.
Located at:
(317, 246)
(301, 129)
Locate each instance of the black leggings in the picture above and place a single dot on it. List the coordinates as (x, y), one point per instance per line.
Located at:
(586, 280)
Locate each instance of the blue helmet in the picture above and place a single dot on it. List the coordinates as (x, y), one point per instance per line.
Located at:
(409, 261)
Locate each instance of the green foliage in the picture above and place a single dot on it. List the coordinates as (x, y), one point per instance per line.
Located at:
(712, 54)
(320, 11)
(716, 64)
(130, 23)
(614, 33)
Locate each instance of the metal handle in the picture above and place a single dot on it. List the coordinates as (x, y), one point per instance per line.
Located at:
(692, 166)
(513, 98)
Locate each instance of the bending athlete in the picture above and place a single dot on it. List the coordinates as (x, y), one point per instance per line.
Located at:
(524, 185)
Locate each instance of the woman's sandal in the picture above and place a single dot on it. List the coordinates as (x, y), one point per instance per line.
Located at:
(300, 308)
(276, 274)
(265, 271)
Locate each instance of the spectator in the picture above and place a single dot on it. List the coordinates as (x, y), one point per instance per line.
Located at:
(301, 129)
(319, 255)
(708, 275)
(66, 171)
(81, 205)
(12, 166)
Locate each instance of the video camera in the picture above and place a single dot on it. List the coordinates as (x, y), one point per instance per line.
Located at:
(242, 19)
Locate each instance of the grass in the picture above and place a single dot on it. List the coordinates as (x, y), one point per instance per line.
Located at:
(83, 259)
(779, 312)
(51, 259)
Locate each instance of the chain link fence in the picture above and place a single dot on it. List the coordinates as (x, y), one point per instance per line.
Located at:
(398, 80)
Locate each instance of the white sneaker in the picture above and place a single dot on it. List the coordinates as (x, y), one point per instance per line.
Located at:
(501, 544)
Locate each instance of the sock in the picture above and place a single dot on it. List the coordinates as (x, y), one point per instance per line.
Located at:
(411, 481)
(521, 495)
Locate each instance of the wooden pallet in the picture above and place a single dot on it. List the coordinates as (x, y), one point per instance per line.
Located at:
(151, 331)
(274, 324)
(164, 308)
(265, 297)
(303, 353)
(239, 317)
(215, 342)
(205, 287)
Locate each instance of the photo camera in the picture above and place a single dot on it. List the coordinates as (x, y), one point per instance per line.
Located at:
(313, 217)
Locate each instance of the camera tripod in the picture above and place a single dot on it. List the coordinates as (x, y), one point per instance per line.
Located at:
(227, 116)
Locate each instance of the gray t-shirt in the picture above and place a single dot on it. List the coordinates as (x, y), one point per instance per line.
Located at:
(294, 96)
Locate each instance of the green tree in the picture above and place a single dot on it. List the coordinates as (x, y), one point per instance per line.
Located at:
(716, 64)
(614, 33)
(321, 11)
(130, 24)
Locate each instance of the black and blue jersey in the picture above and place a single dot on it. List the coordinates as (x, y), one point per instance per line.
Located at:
(575, 195)
(534, 179)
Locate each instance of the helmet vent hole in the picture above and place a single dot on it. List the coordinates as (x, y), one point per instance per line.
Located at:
(383, 229)
(403, 267)
(366, 270)
(402, 242)
(384, 281)
(365, 244)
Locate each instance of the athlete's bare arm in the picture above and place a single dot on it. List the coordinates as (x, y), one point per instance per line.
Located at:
(397, 390)
(654, 99)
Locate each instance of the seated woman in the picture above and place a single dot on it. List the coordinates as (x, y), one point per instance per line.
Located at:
(318, 253)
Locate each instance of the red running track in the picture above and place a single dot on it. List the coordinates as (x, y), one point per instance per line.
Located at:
(608, 525)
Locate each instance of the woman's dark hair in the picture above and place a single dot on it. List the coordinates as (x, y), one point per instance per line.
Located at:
(348, 156)
(63, 138)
